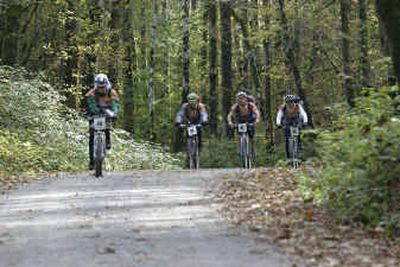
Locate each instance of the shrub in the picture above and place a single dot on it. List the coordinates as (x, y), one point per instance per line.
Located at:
(39, 133)
(360, 159)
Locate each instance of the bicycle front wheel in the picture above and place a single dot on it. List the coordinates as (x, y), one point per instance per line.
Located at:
(249, 153)
(99, 157)
(243, 151)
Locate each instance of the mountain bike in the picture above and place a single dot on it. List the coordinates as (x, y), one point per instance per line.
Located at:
(246, 153)
(193, 152)
(100, 123)
(293, 143)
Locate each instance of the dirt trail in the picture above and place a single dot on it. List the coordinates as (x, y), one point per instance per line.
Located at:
(125, 219)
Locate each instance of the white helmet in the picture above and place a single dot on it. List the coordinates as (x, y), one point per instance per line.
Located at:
(101, 80)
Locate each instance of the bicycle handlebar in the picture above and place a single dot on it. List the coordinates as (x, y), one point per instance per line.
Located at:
(187, 125)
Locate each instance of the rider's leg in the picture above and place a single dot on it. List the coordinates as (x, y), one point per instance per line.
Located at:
(91, 141)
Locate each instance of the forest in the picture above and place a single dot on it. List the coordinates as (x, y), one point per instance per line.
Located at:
(342, 58)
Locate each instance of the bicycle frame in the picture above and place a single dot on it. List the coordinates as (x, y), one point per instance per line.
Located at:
(100, 125)
(294, 145)
(246, 148)
(192, 145)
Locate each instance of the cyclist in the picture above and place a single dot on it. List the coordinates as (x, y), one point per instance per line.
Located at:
(289, 114)
(244, 111)
(101, 99)
(193, 112)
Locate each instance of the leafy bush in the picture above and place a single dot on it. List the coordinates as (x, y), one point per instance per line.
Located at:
(39, 133)
(360, 159)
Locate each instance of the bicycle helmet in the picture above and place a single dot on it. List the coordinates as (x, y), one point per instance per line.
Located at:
(241, 95)
(101, 80)
(290, 98)
(192, 97)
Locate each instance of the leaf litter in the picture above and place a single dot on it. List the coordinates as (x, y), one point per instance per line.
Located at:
(269, 202)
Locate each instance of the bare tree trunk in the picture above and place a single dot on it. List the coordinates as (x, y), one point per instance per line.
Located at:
(152, 66)
(385, 48)
(290, 59)
(226, 58)
(250, 59)
(364, 46)
(193, 4)
(268, 114)
(185, 49)
(388, 11)
(128, 91)
(347, 72)
(212, 13)
(204, 53)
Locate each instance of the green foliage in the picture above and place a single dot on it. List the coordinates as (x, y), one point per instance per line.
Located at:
(40, 134)
(360, 159)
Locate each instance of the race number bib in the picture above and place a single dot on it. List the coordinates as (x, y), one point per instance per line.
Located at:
(99, 123)
(192, 131)
(242, 128)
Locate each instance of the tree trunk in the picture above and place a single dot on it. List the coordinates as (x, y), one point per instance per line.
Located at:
(226, 59)
(250, 59)
(185, 49)
(385, 49)
(268, 114)
(364, 45)
(389, 13)
(213, 75)
(347, 72)
(128, 89)
(290, 59)
(152, 66)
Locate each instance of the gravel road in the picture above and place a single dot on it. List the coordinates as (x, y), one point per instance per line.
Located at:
(143, 218)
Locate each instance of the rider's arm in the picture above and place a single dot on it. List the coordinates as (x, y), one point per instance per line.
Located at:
(114, 101)
(230, 115)
(180, 115)
(203, 113)
(303, 115)
(91, 103)
(279, 117)
(258, 115)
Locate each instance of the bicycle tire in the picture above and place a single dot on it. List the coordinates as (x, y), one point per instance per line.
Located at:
(99, 158)
(243, 152)
(190, 152)
(197, 153)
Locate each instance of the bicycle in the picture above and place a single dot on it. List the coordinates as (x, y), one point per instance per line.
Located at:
(193, 151)
(293, 143)
(100, 123)
(246, 153)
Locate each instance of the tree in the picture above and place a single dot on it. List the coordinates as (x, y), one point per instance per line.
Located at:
(290, 58)
(364, 46)
(346, 60)
(213, 73)
(185, 49)
(389, 13)
(226, 58)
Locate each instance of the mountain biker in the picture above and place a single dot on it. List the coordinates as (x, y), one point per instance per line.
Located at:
(289, 114)
(100, 100)
(244, 111)
(193, 112)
